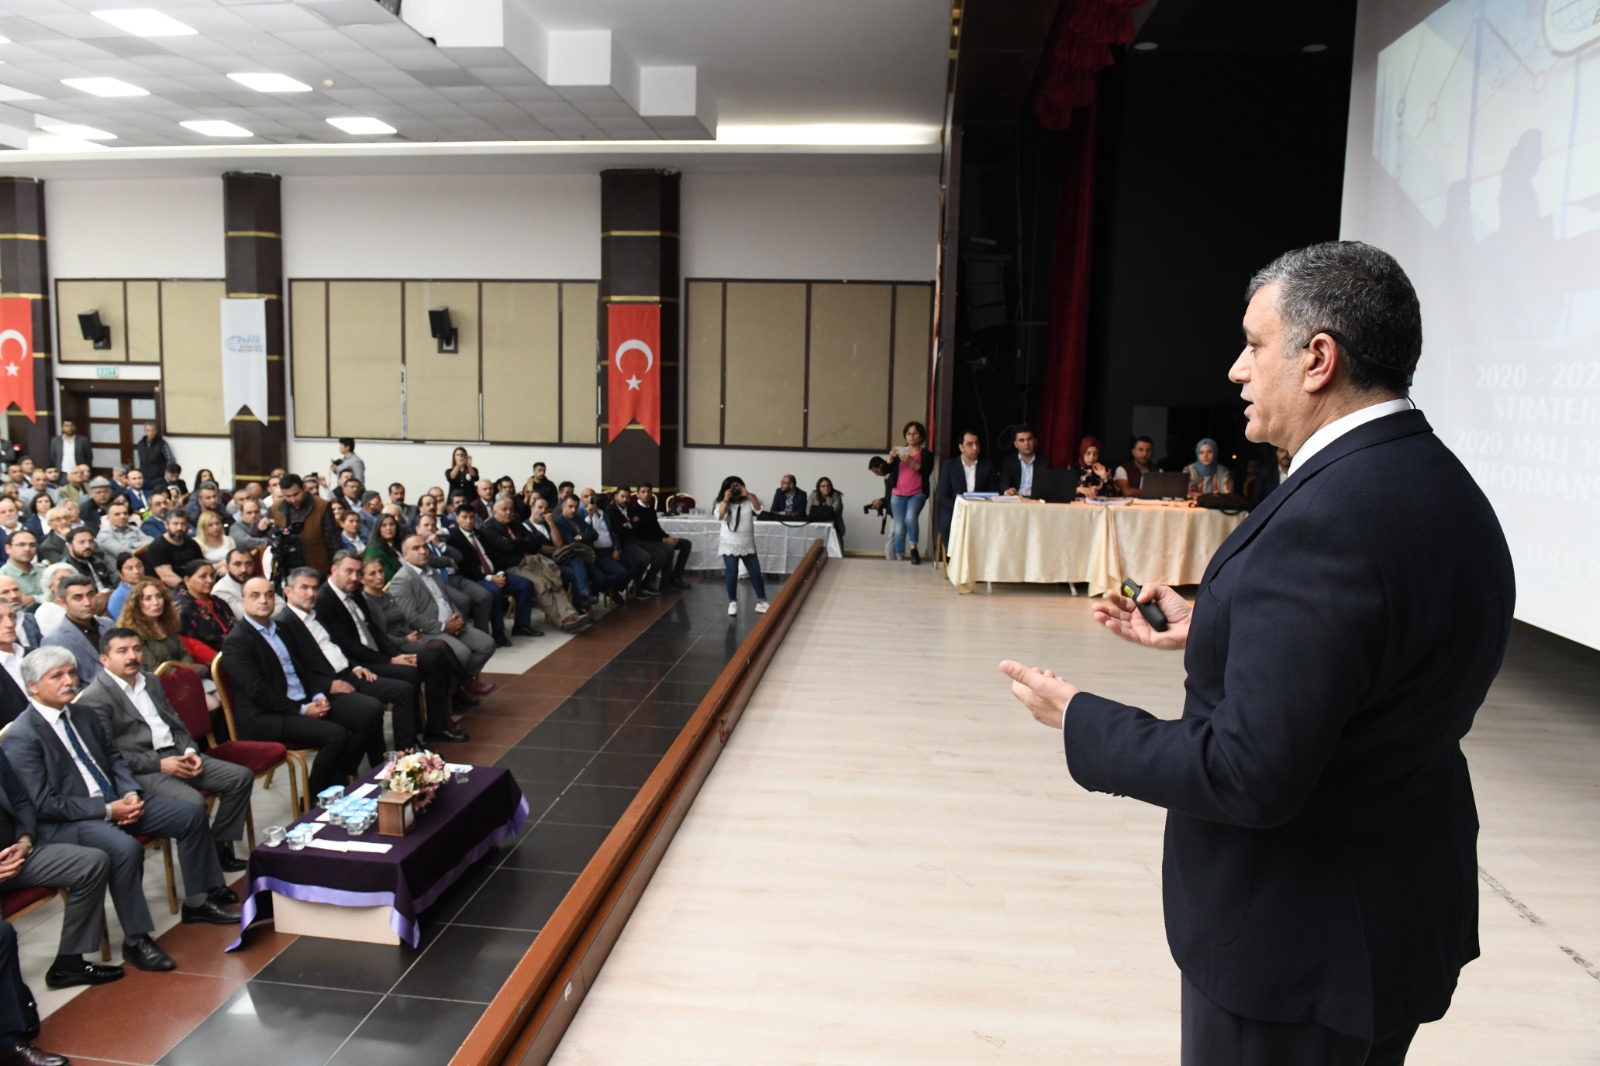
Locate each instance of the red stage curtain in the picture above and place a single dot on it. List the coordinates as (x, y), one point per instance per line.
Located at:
(1080, 45)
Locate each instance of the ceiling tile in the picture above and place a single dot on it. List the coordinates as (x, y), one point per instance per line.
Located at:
(279, 18)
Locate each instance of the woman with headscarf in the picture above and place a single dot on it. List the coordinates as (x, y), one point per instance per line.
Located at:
(1097, 480)
(1206, 475)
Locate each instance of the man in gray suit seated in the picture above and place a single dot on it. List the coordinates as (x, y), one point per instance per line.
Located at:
(420, 594)
(80, 632)
(83, 793)
(81, 871)
(164, 758)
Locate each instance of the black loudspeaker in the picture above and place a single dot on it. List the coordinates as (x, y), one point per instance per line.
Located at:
(985, 291)
(443, 332)
(95, 330)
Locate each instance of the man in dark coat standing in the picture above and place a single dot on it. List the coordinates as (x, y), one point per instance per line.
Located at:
(1320, 875)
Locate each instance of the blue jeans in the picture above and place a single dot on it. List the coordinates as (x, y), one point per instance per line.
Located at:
(752, 566)
(907, 512)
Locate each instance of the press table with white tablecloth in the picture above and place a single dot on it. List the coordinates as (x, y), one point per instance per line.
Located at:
(781, 545)
(1080, 542)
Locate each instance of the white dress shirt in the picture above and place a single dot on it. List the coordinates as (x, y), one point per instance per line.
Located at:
(330, 651)
(139, 695)
(1025, 475)
(1340, 426)
(970, 472)
(12, 661)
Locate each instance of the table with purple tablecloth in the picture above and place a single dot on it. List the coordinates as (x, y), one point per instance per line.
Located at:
(463, 823)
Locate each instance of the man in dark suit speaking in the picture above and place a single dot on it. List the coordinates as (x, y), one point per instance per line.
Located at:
(1320, 871)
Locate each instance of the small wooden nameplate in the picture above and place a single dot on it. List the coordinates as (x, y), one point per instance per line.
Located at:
(396, 814)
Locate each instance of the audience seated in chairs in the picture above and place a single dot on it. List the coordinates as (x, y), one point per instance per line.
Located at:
(130, 571)
(294, 705)
(526, 548)
(206, 621)
(214, 543)
(90, 798)
(58, 522)
(419, 592)
(383, 544)
(477, 566)
(438, 663)
(229, 587)
(251, 525)
(469, 598)
(398, 688)
(80, 630)
(164, 759)
(21, 567)
(50, 611)
(672, 553)
(118, 534)
(169, 555)
(87, 561)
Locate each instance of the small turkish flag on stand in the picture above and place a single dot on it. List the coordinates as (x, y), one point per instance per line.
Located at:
(633, 390)
(16, 356)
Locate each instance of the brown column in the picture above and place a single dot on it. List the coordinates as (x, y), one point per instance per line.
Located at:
(25, 272)
(639, 268)
(253, 215)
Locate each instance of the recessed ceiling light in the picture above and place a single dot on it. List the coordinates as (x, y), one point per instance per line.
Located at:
(82, 133)
(145, 22)
(860, 133)
(271, 83)
(216, 127)
(1146, 46)
(7, 92)
(1314, 48)
(105, 86)
(360, 124)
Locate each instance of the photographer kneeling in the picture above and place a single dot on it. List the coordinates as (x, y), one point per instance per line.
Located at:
(737, 509)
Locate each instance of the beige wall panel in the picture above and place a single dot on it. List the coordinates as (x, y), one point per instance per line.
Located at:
(441, 389)
(766, 344)
(521, 354)
(702, 374)
(74, 297)
(849, 366)
(144, 321)
(913, 325)
(308, 356)
(364, 341)
(580, 356)
(191, 364)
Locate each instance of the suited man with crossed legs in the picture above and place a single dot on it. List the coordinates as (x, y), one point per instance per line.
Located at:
(84, 793)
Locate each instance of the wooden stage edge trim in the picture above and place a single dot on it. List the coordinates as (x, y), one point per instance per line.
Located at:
(526, 1020)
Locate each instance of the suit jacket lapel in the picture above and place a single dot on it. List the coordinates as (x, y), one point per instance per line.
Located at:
(1378, 431)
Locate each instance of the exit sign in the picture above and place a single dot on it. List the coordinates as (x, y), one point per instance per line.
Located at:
(105, 371)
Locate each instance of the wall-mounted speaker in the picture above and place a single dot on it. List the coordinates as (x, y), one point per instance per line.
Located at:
(95, 330)
(443, 332)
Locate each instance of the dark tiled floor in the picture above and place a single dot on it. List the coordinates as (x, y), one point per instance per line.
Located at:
(580, 732)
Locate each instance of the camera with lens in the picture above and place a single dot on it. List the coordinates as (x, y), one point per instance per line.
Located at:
(288, 550)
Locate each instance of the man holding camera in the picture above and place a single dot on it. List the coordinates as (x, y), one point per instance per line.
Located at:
(308, 526)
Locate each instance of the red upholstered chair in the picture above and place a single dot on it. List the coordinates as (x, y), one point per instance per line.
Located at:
(184, 690)
(295, 759)
(19, 901)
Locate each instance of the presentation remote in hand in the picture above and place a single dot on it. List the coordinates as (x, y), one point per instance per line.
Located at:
(1152, 613)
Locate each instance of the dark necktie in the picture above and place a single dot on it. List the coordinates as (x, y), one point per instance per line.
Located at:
(94, 771)
(483, 560)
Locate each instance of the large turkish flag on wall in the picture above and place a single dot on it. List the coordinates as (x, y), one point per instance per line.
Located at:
(633, 392)
(16, 356)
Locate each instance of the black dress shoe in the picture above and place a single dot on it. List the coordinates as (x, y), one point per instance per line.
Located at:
(223, 895)
(30, 1017)
(526, 631)
(61, 975)
(448, 736)
(143, 953)
(22, 1053)
(229, 862)
(210, 911)
(502, 641)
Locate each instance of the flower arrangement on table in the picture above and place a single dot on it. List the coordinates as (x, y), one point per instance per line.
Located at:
(417, 772)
